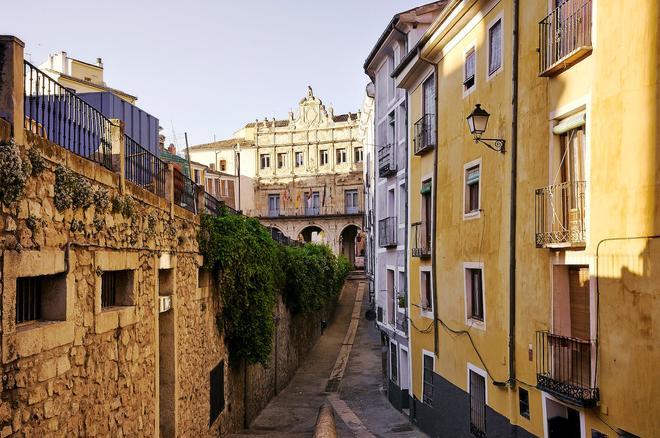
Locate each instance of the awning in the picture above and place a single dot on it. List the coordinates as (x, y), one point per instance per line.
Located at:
(426, 188)
(570, 123)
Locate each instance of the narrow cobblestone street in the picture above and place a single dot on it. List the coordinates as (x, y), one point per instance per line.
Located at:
(349, 352)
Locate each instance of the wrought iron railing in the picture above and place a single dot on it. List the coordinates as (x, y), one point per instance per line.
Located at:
(563, 368)
(144, 168)
(386, 160)
(425, 138)
(55, 113)
(421, 244)
(387, 232)
(560, 214)
(212, 205)
(184, 191)
(279, 237)
(565, 31)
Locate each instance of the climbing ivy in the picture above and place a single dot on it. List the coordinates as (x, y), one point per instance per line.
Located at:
(13, 173)
(252, 269)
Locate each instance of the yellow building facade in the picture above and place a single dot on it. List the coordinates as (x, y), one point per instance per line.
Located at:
(569, 348)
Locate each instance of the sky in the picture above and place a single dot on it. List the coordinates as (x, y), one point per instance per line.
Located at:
(209, 67)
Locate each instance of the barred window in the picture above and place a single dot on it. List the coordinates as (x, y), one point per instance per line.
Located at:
(477, 404)
(117, 288)
(41, 298)
(427, 379)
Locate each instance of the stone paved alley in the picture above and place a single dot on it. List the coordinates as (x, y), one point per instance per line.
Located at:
(360, 403)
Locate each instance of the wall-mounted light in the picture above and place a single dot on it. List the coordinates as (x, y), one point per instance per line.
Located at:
(477, 122)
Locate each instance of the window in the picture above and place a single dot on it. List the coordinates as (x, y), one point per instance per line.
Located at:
(495, 47)
(469, 69)
(394, 371)
(299, 159)
(265, 161)
(477, 404)
(351, 201)
(341, 156)
(402, 295)
(427, 291)
(196, 174)
(427, 379)
(116, 288)
(40, 298)
(323, 157)
(391, 128)
(223, 165)
(217, 395)
(523, 402)
(281, 160)
(474, 290)
(273, 205)
(472, 190)
(427, 213)
(312, 203)
(358, 158)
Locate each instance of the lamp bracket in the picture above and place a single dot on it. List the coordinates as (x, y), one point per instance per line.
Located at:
(496, 144)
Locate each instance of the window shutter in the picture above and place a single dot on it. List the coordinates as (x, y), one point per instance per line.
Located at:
(579, 298)
(472, 176)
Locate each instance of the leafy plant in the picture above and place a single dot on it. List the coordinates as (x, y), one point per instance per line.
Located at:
(37, 161)
(71, 190)
(13, 174)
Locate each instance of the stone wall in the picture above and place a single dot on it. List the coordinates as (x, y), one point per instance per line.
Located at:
(116, 371)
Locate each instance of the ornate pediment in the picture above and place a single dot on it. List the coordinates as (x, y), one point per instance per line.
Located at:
(312, 112)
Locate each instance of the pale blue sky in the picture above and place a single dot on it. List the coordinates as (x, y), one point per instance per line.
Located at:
(209, 67)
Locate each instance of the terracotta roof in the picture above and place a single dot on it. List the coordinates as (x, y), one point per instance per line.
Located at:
(222, 144)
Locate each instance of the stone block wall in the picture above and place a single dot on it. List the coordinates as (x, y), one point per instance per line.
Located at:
(97, 372)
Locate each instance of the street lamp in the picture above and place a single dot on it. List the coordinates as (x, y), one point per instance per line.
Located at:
(477, 122)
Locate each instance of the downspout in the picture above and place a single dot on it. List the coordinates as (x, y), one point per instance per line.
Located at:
(512, 217)
(434, 220)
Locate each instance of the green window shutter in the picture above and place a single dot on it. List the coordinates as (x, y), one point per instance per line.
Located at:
(426, 187)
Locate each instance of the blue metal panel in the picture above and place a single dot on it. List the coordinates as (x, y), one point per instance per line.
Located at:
(139, 125)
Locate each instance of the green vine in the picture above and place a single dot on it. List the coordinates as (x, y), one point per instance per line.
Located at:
(252, 269)
(71, 190)
(13, 173)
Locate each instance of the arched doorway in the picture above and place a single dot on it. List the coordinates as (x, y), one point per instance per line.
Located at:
(347, 239)
(313, 234)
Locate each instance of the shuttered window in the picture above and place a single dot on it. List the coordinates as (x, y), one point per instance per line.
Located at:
(469, 69)
(477, 405)
(217, 397)
(472, 181)
(578, 278)
(427, 382)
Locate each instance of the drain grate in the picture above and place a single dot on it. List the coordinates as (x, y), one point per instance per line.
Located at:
(332, 385)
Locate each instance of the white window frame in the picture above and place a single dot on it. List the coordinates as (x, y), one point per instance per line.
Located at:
(401, 269)
(432, 355)
(481, 325)
(468, 49)
(472, 214)
(341, 152)
(544, 398)
(284, 155)
(401, 212)
(398, 368)
(261, 161)
(322, 153)
(358, 154)
(424, 312)
(499, 17)
(300, 154)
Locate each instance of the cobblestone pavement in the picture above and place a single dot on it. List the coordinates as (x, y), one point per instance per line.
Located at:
(349, 352)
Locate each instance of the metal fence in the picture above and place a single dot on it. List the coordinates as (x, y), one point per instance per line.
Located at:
(566, 29)
(144, 168)
(55, 113)
(279, 237)
(387, 232)
(563, 367)
(560, 214)
(425, 133)
(386, 160)
(184, 191)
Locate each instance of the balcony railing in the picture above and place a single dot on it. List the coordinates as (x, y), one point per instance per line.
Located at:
(352, 209)
(563, 368)
(387, 232)
(184, 191)
(421, 244)
(212, 204)
(55, 113)
(564, 36)
(144, 168)
(288, 211)
(560, 215)
(425, 134)
(279, 237)
(386, 160)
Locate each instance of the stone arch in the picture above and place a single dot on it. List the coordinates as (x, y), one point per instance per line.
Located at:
(311, 229)
(347, 241)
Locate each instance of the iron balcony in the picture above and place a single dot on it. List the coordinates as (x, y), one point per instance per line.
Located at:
(560, 215)
(421, 240)
(387, 231)
(425, 138)
(386, 161)
(564, 36)
(563, 368)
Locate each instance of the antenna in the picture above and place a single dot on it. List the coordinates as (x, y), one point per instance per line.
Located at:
(176, 143)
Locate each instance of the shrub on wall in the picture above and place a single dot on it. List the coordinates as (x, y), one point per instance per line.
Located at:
(13, 173)
(251, 269)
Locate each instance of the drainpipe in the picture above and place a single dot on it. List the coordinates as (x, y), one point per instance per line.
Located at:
(434, 281)
(512, 217)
